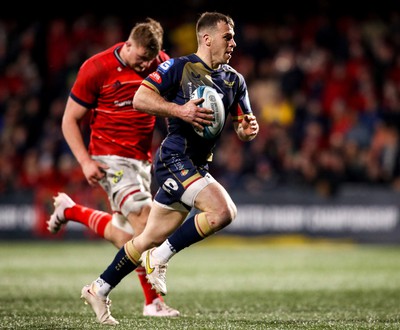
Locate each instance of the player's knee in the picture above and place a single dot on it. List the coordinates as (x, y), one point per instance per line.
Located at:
(227, 216)
(138, 221)
(223, 216)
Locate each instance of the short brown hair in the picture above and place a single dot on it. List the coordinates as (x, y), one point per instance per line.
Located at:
(211, 19)
(148, 34)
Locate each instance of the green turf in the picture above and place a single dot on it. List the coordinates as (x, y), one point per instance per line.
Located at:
(236, 285)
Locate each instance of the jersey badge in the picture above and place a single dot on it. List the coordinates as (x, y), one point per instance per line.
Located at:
(164, 66)
(117, 84)
(229, 84)
(118, 176)
(155, 76)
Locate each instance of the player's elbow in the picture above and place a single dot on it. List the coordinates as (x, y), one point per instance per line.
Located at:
(137, 102)
(141, 98)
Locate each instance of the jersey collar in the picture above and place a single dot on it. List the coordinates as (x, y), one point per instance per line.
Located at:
(119, 58)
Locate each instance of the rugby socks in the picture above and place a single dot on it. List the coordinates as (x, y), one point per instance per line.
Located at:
(101, 288)
(193, 230)
(164, 252)
(125, 262)
(96, 220)
(149, 293)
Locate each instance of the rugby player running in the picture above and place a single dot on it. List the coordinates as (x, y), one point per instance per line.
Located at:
(181, 162)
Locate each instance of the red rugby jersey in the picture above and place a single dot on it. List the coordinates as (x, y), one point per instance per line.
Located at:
(107, 85)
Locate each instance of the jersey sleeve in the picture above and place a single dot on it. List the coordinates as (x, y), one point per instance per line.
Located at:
(241, 106)
(164, 78)
(86, 88)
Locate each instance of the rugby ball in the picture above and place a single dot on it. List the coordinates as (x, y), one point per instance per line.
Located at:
(212, 101)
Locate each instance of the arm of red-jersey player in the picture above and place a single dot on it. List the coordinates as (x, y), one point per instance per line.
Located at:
(74, 113)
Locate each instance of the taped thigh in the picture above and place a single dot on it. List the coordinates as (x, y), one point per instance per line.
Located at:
(191, 192)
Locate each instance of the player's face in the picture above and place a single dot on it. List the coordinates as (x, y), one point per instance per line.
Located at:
(137, 58)
(222, 43)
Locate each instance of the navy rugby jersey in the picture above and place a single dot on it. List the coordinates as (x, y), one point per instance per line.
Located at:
(176, 79)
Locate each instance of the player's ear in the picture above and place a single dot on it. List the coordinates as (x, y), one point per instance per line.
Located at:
(207, 39)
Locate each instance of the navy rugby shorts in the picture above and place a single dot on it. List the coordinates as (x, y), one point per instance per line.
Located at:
(175, 173)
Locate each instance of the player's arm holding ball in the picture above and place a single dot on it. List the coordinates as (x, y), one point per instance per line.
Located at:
(150, 101)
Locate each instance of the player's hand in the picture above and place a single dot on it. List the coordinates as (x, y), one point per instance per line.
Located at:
(195, 115)
(250, 126)
(94, 171)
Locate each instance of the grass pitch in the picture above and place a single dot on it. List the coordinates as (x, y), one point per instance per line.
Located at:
(228, 284)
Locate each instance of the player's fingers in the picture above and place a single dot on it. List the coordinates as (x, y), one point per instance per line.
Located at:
(103, 166)
(198, 126)
(92, 182)
(203, 122)
(198, 101)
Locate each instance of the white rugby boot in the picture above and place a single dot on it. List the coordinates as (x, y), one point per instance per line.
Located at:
(155, 272)
(159, 308)
(57, 220)
(101, 306)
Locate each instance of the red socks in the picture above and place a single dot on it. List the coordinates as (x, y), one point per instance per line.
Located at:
(94, 219)
(149, 293)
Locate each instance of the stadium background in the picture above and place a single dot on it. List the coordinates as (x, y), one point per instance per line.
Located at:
(324, 81)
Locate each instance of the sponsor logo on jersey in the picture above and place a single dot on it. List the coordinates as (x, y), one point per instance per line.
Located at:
(123, 103)
(178, 163)
(229, 84)
(164, 66)
(184, 172)
(155, 76)
(116, 85)
(118, 176)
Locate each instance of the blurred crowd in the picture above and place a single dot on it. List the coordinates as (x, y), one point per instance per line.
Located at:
(326, 91)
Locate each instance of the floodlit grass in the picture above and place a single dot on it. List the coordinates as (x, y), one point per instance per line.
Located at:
(237, 284)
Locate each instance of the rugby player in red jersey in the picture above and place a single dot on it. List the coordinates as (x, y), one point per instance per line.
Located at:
(119, 154)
